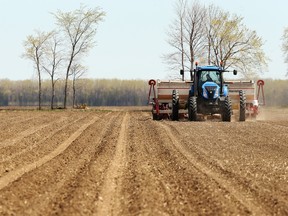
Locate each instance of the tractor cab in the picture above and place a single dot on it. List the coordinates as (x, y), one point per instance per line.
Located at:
(208, 82)
(209, 76)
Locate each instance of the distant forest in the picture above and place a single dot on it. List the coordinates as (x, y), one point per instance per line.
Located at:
(106, 92)
(92, 92)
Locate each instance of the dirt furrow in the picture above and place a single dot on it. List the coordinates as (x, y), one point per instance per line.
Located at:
(24, 127)
(223, 182)
(16, 174)
(53, 183)
(110, 195)
(160, 181)
(240, 161)
(121, 162)
(23, 134)
(35, 146)
(144, 191)
(10, 119)
(82, 193)
(47, 135)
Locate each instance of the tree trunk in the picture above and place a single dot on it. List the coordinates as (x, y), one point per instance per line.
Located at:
(74, 93)
(52, 93)
(66, 79)
(39, 82)
(65, 91)
(39, 93)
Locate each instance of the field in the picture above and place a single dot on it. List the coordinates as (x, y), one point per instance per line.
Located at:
(120, 162)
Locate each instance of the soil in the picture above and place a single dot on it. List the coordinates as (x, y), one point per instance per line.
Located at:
(121, 162)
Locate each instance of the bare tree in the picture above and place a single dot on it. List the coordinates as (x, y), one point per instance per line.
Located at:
(212, 12)
(176, 59)
(195, 34)
(34, 50)
(235, 45)
(209, 31)
(77, 71)
(52, 61)
(186, 36)
(79, 28)
(285, 46)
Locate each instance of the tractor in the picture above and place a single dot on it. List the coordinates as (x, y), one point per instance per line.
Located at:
(208, 95)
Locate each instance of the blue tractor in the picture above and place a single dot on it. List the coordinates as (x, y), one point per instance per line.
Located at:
(209, 95)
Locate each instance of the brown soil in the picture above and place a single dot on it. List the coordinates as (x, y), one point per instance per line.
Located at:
(121, 162)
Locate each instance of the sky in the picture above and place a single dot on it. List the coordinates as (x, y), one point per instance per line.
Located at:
(133, 37)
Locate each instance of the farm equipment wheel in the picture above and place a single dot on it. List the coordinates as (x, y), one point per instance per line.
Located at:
(156, 117)
(242, 110)
(192, 109)
(175, 105)
(226, 110)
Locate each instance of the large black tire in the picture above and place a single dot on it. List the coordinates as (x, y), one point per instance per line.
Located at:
(175, 105)
(157, 117)
(192, 109)
(226, 110)
(242, 111)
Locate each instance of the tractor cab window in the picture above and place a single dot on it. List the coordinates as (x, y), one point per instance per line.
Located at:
(209, 76)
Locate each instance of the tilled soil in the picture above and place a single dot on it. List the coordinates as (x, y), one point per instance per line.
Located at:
(121, 162)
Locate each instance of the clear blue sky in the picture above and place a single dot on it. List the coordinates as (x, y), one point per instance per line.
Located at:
(132, 39)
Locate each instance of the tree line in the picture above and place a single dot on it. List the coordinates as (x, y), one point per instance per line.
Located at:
(91, 92)
(106, 92)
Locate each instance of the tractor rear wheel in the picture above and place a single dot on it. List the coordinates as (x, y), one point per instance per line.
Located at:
(175, 105)
(226, 110)
(192, 109)
(242, 116)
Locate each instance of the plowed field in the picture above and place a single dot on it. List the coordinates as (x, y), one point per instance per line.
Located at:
(121, 162)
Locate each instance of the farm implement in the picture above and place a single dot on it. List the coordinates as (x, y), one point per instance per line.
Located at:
(205, 95)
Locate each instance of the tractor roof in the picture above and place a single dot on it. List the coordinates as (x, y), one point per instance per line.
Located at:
(209, 68)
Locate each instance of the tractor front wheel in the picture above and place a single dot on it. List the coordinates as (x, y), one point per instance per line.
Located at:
(226, 110)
